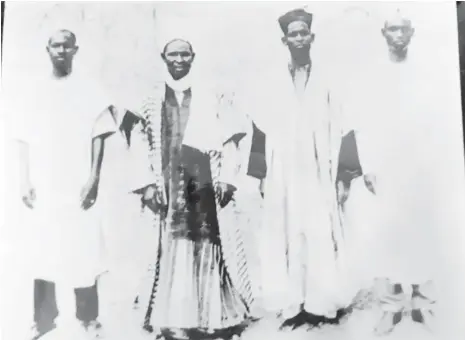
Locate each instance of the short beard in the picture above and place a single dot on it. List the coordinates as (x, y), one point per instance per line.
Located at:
(300, 57)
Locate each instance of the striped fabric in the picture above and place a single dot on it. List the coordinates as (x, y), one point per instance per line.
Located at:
(197, 284)
(194, 289)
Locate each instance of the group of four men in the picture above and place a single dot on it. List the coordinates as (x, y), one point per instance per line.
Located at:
(187, 171)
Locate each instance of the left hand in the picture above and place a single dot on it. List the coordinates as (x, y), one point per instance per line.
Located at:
(370, 182)
(89, 193)
(225, 193)
(342, 192)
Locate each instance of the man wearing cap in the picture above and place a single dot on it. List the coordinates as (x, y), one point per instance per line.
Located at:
(198, 289)
(302, 276)
(59, 175)
(399, 212)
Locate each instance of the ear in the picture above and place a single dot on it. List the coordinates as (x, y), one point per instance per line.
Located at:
(162, 55)
(412, 32)
(284, 40)
(75, 50)
(312, 38)
(193, 56)
(47, 48)
(383, 32)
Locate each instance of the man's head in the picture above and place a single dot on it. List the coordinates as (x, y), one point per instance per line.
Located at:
(178, 56)
(398, 32)
(62, 48)
(297, 28)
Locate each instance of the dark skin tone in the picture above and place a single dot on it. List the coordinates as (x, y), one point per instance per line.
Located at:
(61, 49)
(299, 39)
(398, 33)
(179, 56)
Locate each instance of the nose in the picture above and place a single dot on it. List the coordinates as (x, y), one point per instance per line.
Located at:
(299, 36)
(60, 49)
(178, 59)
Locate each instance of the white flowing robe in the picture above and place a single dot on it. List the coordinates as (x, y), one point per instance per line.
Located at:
(56, 119)
(242, 216)
(127, 229)
(397, 226)
(301, 220)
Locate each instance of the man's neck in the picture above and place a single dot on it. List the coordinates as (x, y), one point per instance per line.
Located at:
(300, 62)
(300, 59)
(398, 56)
(62, 73)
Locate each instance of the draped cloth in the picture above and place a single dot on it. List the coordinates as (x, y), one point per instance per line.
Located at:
(226, 301)
(301, 216)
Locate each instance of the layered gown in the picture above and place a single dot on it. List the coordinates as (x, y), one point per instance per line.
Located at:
(194, 292)
(301, 231)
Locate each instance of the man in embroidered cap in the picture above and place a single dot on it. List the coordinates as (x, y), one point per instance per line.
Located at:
(195, 291)
(60, 176)
(302, 277)
(400, 209)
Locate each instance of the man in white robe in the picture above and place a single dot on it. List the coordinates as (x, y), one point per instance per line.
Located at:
(59, 176)
(301, 245)
(394, 213)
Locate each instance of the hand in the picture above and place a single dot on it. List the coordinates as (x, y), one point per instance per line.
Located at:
(89, 193)
(342, 192)
(225, 193)
(28, 195)
(262, 187)
(370, 182)
(150, 198)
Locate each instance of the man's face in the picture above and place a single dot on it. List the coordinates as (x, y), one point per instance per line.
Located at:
(398, 33)
(62, 49)
(299, 37)
(178, 56)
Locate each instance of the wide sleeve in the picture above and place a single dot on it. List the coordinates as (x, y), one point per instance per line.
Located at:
(101, 107)
(141, 173)
(233, 129)
(144, 169)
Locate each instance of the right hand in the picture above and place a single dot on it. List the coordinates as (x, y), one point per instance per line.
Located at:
(370, 182)
(28, 195)
(150, 198)
(262, 188)
(342, 192)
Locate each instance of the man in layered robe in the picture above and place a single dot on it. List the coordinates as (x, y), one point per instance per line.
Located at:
(302, 239)
(59, 178)
(396, 216)
(195, 291)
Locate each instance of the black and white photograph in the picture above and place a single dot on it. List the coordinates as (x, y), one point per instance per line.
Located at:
(232, 170)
